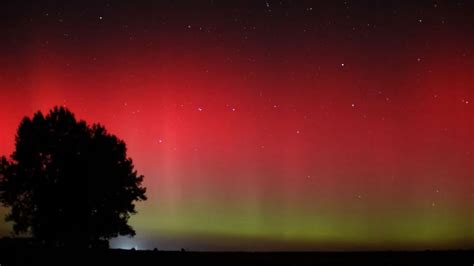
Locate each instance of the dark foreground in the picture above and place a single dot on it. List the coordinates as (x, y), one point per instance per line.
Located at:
(10, 256)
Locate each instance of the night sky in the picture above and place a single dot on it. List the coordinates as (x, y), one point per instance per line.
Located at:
(265, 125)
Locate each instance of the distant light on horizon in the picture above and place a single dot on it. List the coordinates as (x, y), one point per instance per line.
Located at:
(126, 243)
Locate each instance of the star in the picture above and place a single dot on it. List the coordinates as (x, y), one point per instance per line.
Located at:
(200, 109)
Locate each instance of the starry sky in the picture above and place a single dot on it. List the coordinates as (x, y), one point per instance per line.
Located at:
(265, 125)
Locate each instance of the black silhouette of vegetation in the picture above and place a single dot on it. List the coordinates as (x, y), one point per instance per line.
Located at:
(69, 184)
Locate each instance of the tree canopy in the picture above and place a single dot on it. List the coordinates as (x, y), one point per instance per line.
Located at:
(68, 183)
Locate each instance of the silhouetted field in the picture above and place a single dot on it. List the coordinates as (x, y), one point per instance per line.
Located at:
(30, 256)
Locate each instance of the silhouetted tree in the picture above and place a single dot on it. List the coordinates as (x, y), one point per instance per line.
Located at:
(67, 183)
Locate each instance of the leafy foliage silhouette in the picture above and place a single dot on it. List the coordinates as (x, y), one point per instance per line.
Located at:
(68, 183)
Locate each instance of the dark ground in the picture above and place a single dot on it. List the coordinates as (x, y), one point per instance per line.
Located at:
(30, 256)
